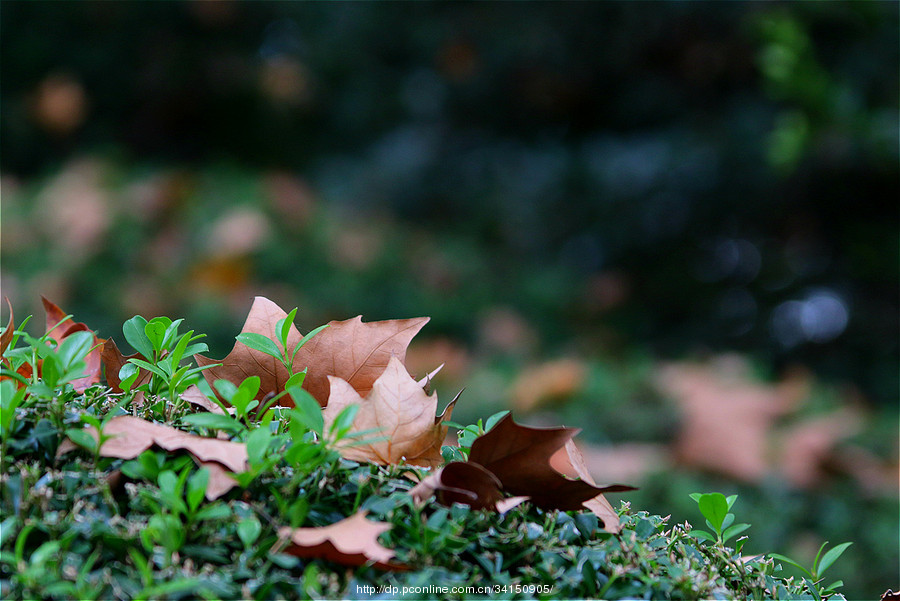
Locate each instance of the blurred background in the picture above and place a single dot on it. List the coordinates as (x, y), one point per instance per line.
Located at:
(674, 225)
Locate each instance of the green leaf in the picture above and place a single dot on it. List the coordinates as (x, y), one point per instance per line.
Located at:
(295, 380)
(257, 445)
(492, 420)
(133, 329)
(217, 511)
(155, 331)
(789, 561)
(150, 367)
(127, 376)
(307, 410)
(248, 530)
(703, 535)
(74, 348)
(82, 438)
(260, 343)
(830, 557)
(731, 499)
(309, 336)
(213, 420)
(284, 327)
(734, 530)
(196, 487)
(714, 508)
(344, 420)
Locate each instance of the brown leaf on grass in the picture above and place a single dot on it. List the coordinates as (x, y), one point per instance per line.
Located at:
(400, 410)
(354, 351)
(569, 461)
(7, 335)
(195, 396)
(519, 456)
(59, 330)
(243, 361)
(113, 360)
(131, 436)
(460, 482)
(352, 541)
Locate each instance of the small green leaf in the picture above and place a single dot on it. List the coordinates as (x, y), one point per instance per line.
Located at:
(155, 331)
(213, 420)
(714, 508)
(248, 530)
(257, 445)
(307, 410)
(295, 380)
(703, 535)
(344, 420)
(731, 499)
(196, 487)
(734, 530)
(830, 557)
(82, 438)
(133, 329)
(74, 348)
(492, 420)
(260, 343)
(789, 561)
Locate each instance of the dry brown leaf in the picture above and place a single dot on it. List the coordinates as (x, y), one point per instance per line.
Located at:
(113, 360)
(352, 541)
(243, 361)
(519, 456)
(459, 482)
(7, 335)
(195, 396)
(355, 352)
(727, 416)
(131, 436)
(569, 461)
(808, 446)
(58, 332)
(400, 410)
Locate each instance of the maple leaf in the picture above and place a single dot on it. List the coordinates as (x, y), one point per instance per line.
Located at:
(354, 351)
(520, 458)
(460, 482)
(570, 462)
(400, 410)
(59, 330)
(131, 436)
(353, 541)
(243, 361)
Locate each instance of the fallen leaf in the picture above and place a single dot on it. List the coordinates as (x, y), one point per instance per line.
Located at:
(547, 382)
(461, 482)
(807, 447)
(354, 351)
(243, 361)
(131, 436)
(400, 410)
(195, 396)
(352, 541)
(113, 360)
(59, 330)
(7, 335)
(569, 461)
(519, 456)
(726, 416)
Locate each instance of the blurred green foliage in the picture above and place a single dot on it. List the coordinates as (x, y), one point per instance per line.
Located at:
(721, 174)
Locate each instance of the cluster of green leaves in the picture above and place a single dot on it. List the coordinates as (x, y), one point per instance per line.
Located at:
(86, 526)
